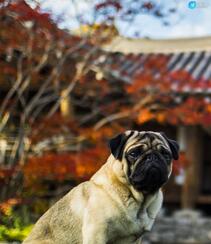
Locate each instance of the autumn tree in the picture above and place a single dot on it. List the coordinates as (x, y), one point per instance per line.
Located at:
(50, 88)
(37, 73)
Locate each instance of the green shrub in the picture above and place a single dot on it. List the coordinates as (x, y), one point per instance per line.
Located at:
(15, 224)
(15, 233)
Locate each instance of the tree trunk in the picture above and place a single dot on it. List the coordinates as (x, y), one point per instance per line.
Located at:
(66, 107)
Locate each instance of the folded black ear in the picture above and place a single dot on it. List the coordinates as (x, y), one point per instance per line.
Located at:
(174, 146)
(117, 145)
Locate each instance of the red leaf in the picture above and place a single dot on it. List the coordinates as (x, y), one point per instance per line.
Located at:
(108, 3)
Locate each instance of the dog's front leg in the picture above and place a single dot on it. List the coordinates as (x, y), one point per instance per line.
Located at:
(153, 210)
(93, 235)
(94, 231)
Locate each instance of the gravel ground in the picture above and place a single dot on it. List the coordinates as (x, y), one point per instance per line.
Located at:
(185, 226)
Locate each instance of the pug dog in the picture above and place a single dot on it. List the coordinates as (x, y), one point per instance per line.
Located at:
(120, 202)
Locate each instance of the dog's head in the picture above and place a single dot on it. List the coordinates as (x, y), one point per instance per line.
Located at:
(146, 158)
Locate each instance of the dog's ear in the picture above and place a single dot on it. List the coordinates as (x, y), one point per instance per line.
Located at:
(174, 146)
(116, 145)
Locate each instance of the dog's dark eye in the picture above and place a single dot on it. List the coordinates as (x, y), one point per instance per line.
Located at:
(135, 153)
(166, 155)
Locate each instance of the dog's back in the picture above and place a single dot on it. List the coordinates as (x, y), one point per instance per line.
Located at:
(62, 222)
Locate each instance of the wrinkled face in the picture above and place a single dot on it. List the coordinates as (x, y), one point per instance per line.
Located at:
(146, 157)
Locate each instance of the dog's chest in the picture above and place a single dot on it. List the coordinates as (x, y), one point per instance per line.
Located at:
(130, 226)
(136, 222)
(128, 229)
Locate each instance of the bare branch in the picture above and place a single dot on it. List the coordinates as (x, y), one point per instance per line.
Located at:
(82, 69)
(124, 114)
(111, 118)
(4, 120)
(54, 75)
(45, 102)
(14, 87)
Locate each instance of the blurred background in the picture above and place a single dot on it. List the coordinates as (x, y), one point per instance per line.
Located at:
(74, 73)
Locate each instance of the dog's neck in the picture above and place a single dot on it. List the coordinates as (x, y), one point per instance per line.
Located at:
(112, 175)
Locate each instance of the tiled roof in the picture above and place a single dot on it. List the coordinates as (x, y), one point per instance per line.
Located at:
(193, 56)
(125, 66)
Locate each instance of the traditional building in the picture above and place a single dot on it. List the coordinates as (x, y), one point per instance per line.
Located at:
(192, 185)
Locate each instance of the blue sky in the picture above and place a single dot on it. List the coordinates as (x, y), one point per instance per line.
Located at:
(185, 23)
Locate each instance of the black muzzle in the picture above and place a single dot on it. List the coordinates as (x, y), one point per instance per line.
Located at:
(150, 173)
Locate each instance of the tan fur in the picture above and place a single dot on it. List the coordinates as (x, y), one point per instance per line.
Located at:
(105, 209)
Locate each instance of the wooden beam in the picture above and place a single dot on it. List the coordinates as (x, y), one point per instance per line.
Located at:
(191, 186)
(204, 199)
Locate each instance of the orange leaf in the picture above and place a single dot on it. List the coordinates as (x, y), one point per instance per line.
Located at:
(161, 117)
(144, 116)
